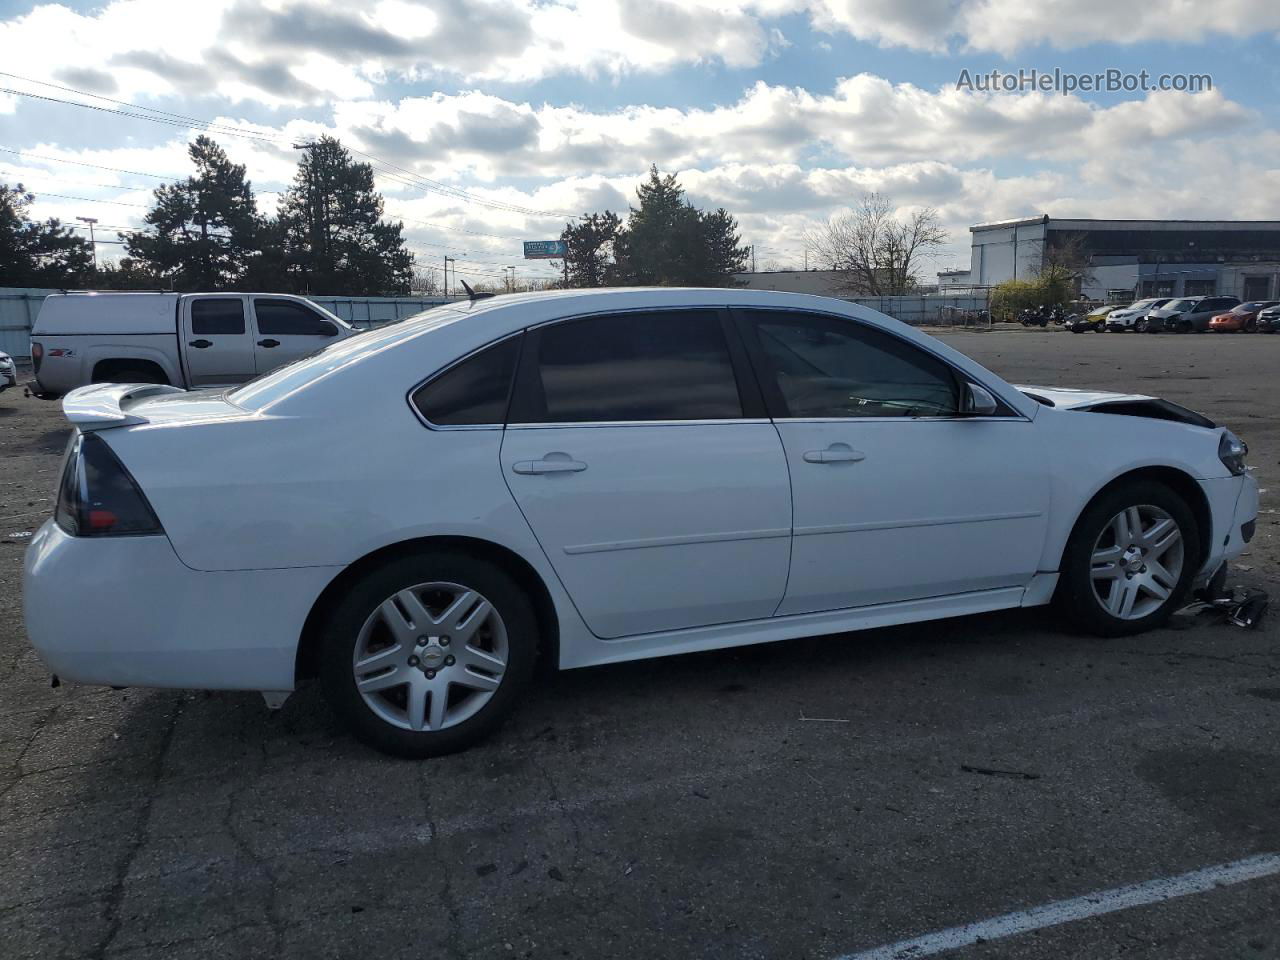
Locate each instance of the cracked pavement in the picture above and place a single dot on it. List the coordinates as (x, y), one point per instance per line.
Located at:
(682, 807)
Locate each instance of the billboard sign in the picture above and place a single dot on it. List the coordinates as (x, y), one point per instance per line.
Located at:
(545, 249)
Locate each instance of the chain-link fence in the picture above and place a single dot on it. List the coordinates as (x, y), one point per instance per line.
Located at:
(932, 309)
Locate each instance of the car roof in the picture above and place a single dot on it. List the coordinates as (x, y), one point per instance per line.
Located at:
(451, 331)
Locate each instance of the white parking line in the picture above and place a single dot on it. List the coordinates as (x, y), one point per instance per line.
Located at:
(1077, 908)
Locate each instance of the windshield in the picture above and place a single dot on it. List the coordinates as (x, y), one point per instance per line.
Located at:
(282, 381)
(1180, 305)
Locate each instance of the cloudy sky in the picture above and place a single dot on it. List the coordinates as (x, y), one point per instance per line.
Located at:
(491, 122)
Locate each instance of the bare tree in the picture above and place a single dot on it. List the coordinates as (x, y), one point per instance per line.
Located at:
(1066, 262)
(425, 282)
(878, 254)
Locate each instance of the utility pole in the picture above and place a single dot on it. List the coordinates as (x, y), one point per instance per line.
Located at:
(312, 223)
(93, 244)
(448, 260)
(511, 285)
(753, 258)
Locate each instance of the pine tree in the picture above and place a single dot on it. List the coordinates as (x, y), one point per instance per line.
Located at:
(335, 239)
(38, 254)
(668, 242)
(205, 232)
(590, 244)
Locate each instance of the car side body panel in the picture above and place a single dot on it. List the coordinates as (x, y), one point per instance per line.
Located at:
(268, 492)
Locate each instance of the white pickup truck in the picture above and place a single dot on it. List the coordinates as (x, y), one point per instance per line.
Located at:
(182, 339)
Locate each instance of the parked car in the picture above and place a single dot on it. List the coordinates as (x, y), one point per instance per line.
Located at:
(1095, 320)
(1123, 319)
(418, 512)
(1195, 317)
(1241, 319)
(185, 340)
(1156, 317)
(8, 372)
(1269, 319)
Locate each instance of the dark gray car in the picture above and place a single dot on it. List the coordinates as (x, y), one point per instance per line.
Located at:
(1195, 318)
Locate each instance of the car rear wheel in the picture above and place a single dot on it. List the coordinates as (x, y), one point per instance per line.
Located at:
(428, 654)
(1130, 560)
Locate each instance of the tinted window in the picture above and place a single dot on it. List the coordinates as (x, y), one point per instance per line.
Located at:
(828, 367)
(213, 317)
(474, 391)
(635, 366)
(287, 318)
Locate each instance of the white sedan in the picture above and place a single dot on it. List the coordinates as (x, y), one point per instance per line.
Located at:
(418, 513)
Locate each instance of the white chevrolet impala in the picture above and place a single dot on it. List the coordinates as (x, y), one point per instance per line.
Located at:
(417, 513)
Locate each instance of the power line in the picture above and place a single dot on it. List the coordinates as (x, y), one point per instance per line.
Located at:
(180, 120)
(81, 163)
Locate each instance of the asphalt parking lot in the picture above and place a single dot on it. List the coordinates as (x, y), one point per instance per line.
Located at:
(813, 799)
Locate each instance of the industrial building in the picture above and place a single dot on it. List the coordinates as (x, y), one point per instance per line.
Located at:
(1133, 258)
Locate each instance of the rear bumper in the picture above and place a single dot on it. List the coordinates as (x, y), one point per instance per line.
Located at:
(125, 611)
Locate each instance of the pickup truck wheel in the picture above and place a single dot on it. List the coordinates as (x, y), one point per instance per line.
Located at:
(1130, 560)
(428, 654)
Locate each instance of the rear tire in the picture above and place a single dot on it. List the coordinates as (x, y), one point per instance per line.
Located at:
(1115, 583)
(428, 654)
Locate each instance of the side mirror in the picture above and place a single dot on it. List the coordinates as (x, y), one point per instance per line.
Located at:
(978, 401)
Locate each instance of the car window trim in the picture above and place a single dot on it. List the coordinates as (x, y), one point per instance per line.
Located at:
(431, 424)
(776, 405)
(527, 392)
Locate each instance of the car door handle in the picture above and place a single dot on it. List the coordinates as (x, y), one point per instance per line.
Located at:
(836, 453)
(548, 464)
(200, 344)
(268, 343)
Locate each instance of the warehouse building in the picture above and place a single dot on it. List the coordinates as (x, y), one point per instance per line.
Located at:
(1137, 258)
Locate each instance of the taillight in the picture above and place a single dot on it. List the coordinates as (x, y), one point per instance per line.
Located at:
(98, 498)
(37, 354)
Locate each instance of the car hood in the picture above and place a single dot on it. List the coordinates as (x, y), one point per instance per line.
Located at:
(1103, 401)
(1066, 398)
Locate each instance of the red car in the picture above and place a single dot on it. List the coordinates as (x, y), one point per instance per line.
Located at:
(1241, 319)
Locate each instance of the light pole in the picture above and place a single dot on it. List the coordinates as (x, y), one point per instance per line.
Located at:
(92, 243)
(511, 284)
(448, 260)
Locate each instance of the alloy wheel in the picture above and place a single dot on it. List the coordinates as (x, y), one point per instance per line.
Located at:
(430, 656)
(1137, 562)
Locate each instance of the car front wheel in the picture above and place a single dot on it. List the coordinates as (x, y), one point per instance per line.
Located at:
(1130, 560)
(428, 654)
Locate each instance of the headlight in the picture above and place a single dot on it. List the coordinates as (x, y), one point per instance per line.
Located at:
(1232, 451)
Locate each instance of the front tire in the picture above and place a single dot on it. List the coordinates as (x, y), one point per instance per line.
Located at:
(428, 654)
(1130, 560)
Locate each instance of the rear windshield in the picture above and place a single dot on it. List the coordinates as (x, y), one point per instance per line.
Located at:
(281, 382)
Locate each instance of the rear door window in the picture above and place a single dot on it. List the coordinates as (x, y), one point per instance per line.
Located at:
(630, 367)
(223, 316)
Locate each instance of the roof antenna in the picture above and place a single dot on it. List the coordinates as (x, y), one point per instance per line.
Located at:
(471, 294)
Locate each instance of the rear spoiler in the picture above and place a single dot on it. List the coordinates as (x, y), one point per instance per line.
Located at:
(102, 405)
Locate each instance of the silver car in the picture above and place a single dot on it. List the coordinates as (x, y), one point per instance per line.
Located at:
(8, 372)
